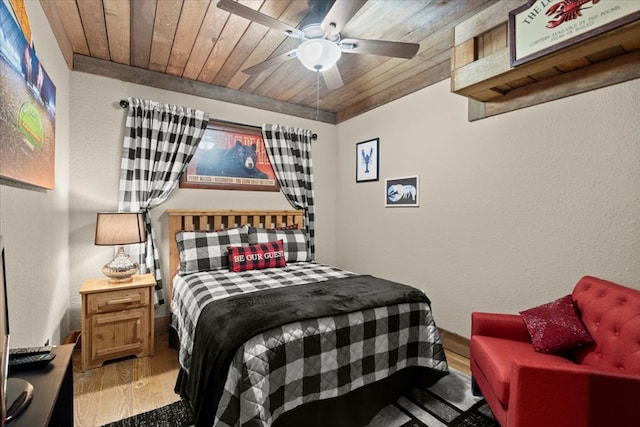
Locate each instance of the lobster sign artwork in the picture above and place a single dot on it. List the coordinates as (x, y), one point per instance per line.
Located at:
(541, 27)
(402, 192)
(367, 160)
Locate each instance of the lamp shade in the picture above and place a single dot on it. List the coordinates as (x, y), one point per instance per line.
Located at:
(318, 54)
(120, 228)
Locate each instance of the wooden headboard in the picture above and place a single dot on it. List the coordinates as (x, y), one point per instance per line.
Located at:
(180, 220)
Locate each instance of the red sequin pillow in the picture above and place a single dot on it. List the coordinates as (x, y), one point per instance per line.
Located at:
(556, 327)
(256, 257)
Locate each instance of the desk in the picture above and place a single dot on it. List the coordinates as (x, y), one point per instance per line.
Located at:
(52, 403)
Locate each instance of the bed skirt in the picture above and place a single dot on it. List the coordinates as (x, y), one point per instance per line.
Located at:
(360, 406)
(356, 408)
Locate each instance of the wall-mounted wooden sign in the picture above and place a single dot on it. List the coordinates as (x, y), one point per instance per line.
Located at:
(544, 26)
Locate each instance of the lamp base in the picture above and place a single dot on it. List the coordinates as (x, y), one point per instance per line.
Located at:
(116, 281)
(121, 269)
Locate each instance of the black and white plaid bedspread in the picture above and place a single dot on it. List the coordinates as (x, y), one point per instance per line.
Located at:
(284, 367)
(192, 292)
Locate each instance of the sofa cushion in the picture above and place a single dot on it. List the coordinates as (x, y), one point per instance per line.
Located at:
(611, 313)
(495, 357)
(556, 327)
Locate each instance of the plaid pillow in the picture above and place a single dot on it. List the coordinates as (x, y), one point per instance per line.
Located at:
(293, 241)
(207, 250)
(256, 257)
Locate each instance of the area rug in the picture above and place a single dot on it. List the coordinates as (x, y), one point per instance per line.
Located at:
(448, 403)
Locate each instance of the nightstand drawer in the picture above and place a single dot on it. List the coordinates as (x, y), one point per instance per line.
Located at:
(106, 302)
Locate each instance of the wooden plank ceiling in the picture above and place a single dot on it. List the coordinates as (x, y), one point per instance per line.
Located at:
(194, 47)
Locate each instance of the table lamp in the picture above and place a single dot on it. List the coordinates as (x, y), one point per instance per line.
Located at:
(117, 229)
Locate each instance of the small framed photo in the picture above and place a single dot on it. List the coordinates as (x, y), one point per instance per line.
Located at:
(402, 192)
(367, 160)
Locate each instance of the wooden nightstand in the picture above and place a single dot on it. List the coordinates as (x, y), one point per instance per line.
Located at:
(117, 319)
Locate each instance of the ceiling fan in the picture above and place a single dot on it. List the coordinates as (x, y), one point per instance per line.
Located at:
(321, 43)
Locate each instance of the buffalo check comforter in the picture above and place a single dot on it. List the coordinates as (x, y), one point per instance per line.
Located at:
(247, 355)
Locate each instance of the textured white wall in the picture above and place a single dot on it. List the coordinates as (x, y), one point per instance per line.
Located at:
(34, 222)
(96, 134)
(514, 209)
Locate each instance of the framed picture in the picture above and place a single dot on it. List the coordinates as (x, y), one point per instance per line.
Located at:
(367, 160)
(540, 27)
(28, 109)
(401, 192)
(230, 157)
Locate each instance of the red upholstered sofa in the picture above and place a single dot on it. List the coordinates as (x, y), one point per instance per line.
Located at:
(595, 385)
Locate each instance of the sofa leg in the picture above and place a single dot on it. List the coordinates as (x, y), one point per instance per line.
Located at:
(475, 390)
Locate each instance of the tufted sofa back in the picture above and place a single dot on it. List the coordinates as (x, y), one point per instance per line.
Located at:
(611, 313)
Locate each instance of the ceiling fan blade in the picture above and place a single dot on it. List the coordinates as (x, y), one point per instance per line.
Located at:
(380, 47)
(339, 14)
(255, 16)
(332, 78)
(271, 62)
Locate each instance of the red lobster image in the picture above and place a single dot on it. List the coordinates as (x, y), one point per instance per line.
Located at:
(566, 10)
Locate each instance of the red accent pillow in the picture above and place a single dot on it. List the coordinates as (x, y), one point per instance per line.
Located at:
(556, 327)
(256, 257)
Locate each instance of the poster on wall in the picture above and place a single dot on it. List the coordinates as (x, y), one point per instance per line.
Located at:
(367, 160)
(230, 157)
(541, 27)
(27, 110)
(402, 192)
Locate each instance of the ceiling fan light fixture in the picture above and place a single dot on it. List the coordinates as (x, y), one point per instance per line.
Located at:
(318, 54)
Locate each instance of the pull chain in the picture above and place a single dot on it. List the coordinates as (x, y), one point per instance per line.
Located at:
(318, 95)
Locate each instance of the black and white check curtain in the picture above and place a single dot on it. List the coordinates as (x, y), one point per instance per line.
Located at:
(159, 141)
(289, 151)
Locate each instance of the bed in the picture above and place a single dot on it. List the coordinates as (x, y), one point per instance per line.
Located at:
(272, 338)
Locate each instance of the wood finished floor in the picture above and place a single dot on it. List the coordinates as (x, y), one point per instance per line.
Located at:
(128, 387)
